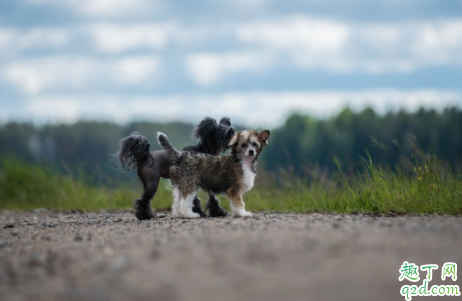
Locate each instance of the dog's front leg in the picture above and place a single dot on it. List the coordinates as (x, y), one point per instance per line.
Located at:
(197, 206)
(237, 204)
(176, 202)
(186, 205)
(214, 208)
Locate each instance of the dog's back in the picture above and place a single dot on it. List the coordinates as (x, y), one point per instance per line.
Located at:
(198, 169)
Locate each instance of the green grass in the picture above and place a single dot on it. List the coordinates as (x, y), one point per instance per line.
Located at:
(428, 187)
(420, 188)
(24, 186)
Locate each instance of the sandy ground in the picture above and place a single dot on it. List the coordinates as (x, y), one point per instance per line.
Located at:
(48, 255)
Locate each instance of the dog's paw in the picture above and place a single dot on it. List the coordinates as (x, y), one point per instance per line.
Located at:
(191, 215)
(216, 211)
(214, 208)
(242, 213)
(175, 213)
(146, 213)
(197, 207)
(143, 212)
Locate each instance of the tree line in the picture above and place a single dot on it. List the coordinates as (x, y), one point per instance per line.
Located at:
(302, 146)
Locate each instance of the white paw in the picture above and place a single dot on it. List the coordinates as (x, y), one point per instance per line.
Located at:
(242, 213)
(191, 215)
(175, 213)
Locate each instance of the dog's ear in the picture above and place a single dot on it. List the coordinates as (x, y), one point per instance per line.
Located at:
(263, 136)
(234, 139)
(204, 128)
(225, 121)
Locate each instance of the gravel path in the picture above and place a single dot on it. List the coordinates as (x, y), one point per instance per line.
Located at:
(51, 255)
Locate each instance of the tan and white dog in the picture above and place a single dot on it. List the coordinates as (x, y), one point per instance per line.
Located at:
(232, 174)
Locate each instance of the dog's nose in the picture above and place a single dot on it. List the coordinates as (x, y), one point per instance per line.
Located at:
(251, 152)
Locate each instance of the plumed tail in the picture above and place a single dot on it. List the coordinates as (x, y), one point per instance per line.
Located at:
(133, 152)
(172, 153)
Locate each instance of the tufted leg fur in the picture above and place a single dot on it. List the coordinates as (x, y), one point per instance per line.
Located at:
(214, 208)
(197, 207)
(186, 205)
(143, 209)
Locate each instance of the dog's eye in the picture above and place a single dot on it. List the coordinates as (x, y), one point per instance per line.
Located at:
(254, 144)
(243, 145)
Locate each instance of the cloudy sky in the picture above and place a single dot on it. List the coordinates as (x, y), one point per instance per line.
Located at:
(253, 60)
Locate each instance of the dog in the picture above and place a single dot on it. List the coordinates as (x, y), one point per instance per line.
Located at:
(134, 153)
(232, 174)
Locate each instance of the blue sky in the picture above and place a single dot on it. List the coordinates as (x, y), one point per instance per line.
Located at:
(253, 60)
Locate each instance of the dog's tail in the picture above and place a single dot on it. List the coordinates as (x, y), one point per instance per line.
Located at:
(133, 152)
(172, 153)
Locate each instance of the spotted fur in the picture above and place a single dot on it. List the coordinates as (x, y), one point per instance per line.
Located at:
(232, 174)
(134, 153)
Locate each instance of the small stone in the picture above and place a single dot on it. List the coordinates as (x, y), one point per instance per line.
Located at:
(4, 243)
(161, 215)
(48, 224)
(8, 226)
(77, 237)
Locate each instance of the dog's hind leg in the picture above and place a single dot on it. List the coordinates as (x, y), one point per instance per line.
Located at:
(186, 205)
(214, 208)
(143, 209)
(197, 206)
(143, 205)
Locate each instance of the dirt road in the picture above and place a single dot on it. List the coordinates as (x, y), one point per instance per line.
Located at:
(46, 255)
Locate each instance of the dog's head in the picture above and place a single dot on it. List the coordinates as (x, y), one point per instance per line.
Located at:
(214, 137)
(249, 143)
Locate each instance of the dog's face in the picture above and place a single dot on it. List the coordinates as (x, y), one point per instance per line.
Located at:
(225, 130)
(249, 143)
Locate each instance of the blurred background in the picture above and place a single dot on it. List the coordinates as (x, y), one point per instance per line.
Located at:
(330, 78)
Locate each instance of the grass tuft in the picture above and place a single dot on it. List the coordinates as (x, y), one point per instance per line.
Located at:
(426, 187)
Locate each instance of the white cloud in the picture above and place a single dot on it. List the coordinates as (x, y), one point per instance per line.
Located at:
(103, 8)
(43, 38)
(253, 109)
(340, 47)
(6, 37)
(60, 109)
(301, 33)
(78, 73)
(14, 40)
(207, 69)
(63, 108)
(114, 38)
(134, 70)
(297, 42)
